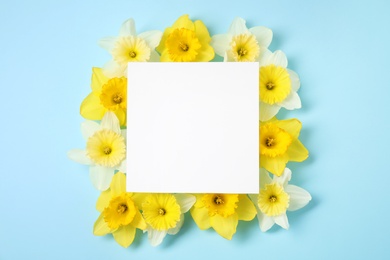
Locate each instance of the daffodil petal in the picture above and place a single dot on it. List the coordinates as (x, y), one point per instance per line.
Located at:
(282, 221)
(139, 222)
(292, 126)
(274, 165)
(107, 43)
(198, 203)
(278, 58)
(201, 32)
(121, 115)
(297, 152)
(103, 200)
(113, 70)
(118, 184)
(238, 26)
(265, 222)
(184, 22)
(110, 122)
(264, 56)
(100, 228)
(152, 38)
(122, 167)
(205, 54)
(160, 48)
(88, 128)
(264, 178)
(221, 43)
(91, 108)
(268, 111)
(138, 198)
(155, 236)
(295, 82)
(128, 28)
(165, 56)
(175, 230)
(98, 79)
(292, 101)
(186, 201)
(225, 227)
(154, 57)
(245, 209)
(298, 197)
(79, 156)
(263, 35)
(201, 217)
(124, 235)
(100, 176)
(284, 178)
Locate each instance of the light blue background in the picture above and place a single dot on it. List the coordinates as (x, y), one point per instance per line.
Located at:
(339, 48)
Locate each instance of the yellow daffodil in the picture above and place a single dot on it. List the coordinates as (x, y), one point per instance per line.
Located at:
(129, 47)
(278, 85)
(279, 144)
(108, 94)
(120, 214)
(241, 43)
(275, 198)
(105, 152)
(164, 214)
(222, 212)
(186, 41)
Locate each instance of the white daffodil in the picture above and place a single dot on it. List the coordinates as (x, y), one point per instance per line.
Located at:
(129, 47)
(278, 85)
(164, 214)
(105, 152)
(276, 196)
(241, 43)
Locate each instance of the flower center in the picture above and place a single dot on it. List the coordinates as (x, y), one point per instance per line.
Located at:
(106, 148)
(120, 211)
(244, 47)
(274, 141)
(113, 95)
(129, 49)
(132, 54)
(161, 212)
(117, 98)
(122, 208)
(273, 200)
(274, 84)
(221, 204)
(182, 45)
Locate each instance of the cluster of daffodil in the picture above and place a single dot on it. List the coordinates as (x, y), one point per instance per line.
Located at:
(122, 213)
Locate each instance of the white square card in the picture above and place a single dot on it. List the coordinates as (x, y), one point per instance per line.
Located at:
(193, 127)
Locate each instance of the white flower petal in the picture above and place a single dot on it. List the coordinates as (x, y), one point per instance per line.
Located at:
(155, 237)
(282, 220)
(175, 230)
(292, 101)
(124, 134)
(278, 58)
(263, 35)
(154, 57)
(264, 56)
(254, 198)
(88, 128)
(128, 28)
(221, 43)
(107, 43)
(264, 178)
(152, 38)
(238, 26)
(101, 176)
(113, 70)
(284, 178)
(265, 222)
(79, 156)
(268, 111)
(111, 122)
(122, 167)
(298, 197)
(185, 201)
(295, 82)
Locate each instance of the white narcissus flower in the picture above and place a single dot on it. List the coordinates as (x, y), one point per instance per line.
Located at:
(164, 214)
(241, 43)
(276, 196)
(129, 47)
(105, 150)
(278, 85)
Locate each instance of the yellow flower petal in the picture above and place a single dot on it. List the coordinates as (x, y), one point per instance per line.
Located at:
(91, 108)
(138, 221)
(121, 115)
(139, 198)
(165, 56)
(184, 22)
(246, 210)
(201, 217)
(202, 32)
(297, 152)
(98, 80)
(226, 227)
(199, 203)
(274, 165)
(292, 126)
(160, 48)
(100, 228)
(124, 235)
(118, 184)
(206, 53)
(103, 200)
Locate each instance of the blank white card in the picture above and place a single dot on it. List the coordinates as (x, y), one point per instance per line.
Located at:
(193, 127)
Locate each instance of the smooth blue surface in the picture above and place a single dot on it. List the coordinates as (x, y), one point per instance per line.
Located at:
(339, 48)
